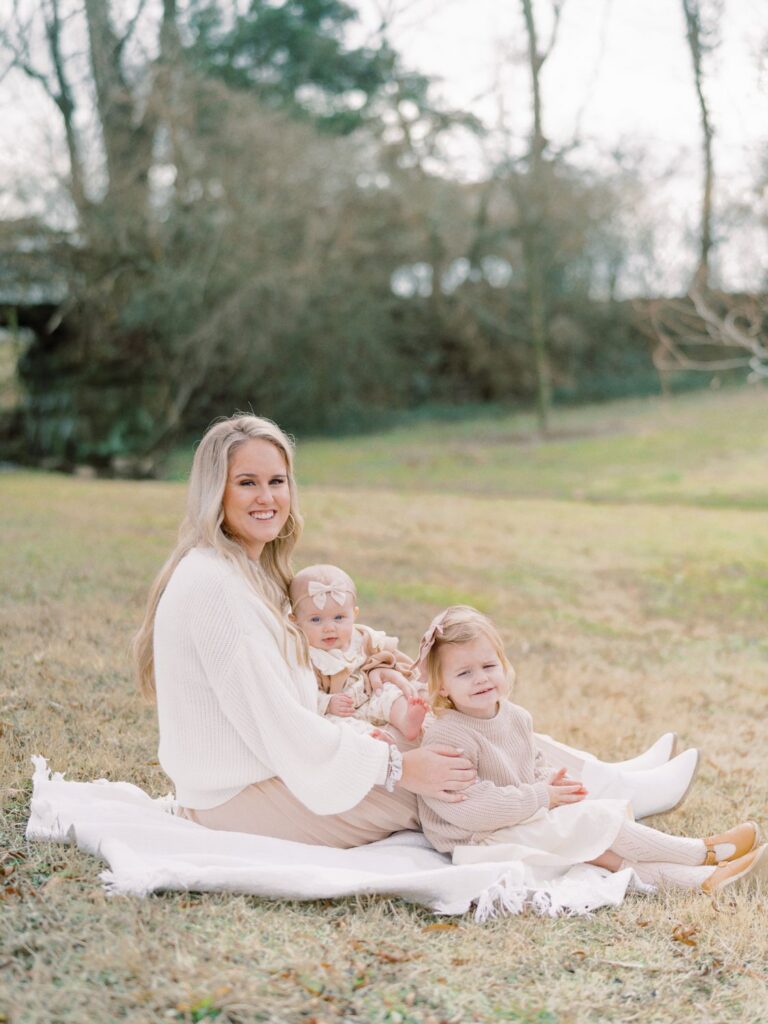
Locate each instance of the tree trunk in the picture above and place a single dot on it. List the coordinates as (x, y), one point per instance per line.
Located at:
(692, 14)
(128, 138)
(534, 216)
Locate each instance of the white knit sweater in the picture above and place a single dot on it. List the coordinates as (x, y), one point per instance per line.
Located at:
(233, 710)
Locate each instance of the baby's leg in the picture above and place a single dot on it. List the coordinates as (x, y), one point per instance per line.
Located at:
(407, 714)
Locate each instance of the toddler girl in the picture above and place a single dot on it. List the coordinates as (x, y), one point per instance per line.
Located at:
(523, 806)
(360, 671)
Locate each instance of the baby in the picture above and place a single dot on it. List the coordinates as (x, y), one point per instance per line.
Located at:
(360, 672)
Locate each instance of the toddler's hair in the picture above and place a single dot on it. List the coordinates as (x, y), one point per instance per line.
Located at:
(459, 624)
(329, 575)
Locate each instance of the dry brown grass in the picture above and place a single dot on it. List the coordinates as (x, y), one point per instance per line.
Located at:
(622, 621)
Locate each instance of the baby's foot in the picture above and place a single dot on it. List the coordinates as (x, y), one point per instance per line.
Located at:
(414, 718)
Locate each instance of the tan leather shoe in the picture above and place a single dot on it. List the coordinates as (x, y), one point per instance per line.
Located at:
(744, 838)
(733, 871)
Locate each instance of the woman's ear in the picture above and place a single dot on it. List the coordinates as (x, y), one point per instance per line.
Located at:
(292, 616)
(355, 613)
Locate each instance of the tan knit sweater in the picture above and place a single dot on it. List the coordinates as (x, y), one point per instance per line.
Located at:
(512, 776)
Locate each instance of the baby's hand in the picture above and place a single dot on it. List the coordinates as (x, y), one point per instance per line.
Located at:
(376, 677)
(379, 676)
(341, 704)
(379, 734)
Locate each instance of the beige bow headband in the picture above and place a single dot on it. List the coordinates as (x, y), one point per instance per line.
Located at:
(320, 592)
(435, 632)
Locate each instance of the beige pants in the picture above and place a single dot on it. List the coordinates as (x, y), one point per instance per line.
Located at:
(270, 809)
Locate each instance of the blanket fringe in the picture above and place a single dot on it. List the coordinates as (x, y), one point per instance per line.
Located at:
(505, 897)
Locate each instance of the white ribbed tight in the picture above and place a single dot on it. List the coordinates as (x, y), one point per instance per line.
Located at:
(660, 859)
(640, 844)
(664, 875)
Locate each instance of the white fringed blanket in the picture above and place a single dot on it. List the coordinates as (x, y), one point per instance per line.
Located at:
(149, 849)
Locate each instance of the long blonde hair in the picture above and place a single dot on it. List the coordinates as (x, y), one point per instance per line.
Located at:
(459, 624)
(203, 526)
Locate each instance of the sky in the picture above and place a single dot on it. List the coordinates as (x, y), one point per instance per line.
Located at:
(619, 76)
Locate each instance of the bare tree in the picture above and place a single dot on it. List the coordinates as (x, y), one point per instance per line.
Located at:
(701, 25)
(710, 331)
(534, 213)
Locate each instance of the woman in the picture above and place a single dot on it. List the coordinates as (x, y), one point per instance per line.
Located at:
(239, 732)
(237, 705)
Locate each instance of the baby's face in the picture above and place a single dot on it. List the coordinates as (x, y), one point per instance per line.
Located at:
(329, 628)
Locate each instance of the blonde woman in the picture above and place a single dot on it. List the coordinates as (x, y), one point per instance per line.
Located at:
(240, 735)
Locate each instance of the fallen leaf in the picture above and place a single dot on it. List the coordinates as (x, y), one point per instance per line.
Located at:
(685, 935)
(440, 928)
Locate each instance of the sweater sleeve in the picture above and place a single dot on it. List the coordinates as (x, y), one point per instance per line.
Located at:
(328, 768)
(542, 769)
(487, 807)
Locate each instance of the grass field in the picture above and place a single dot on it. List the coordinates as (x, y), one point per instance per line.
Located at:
(626, 563)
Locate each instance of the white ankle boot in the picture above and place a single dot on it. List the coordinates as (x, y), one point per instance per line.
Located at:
(650, 791)
(659, 753)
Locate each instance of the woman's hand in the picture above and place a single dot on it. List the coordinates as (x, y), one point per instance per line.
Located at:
(341, 704)
(563, 790)
(441, 773)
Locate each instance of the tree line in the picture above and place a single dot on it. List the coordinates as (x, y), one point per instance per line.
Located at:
(263, 215)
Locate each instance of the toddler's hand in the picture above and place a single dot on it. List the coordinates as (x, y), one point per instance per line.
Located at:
(563, 790)
(341, 704)
(562, 778)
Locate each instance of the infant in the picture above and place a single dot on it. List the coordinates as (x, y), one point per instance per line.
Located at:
(360, 672)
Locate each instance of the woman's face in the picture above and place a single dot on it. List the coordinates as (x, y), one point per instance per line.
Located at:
(257, 498)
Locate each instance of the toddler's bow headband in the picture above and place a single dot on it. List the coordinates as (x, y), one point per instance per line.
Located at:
(320, 592)
(435, 632)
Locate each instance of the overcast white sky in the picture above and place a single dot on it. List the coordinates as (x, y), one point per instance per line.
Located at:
(619, 76)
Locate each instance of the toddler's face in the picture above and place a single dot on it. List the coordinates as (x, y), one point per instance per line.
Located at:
(329, 628)
(473, 677)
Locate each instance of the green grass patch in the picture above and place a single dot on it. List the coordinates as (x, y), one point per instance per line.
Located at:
(704, 449)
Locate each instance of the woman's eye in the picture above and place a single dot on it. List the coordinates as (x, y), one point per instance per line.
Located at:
(491, 664)
(277, 480)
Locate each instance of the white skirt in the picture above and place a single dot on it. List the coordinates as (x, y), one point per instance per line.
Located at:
(559, 838)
